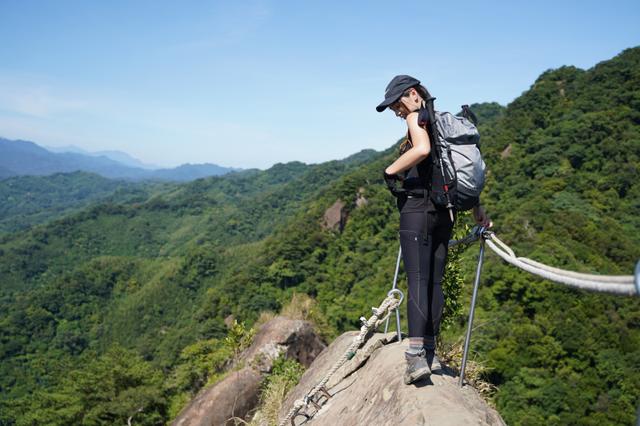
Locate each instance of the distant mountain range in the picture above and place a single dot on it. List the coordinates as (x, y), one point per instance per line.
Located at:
(20, 158)
(119, 156)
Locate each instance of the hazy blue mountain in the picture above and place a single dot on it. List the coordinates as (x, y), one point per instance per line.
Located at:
(5, 173)
(187, 172)
(66, 148)
(119, 156)
(20, 158)
(27, 158)
(126, 159)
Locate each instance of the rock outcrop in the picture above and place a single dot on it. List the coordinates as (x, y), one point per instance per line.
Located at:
(335, 217)
(506, 152)
(237, 394)
(369, 390)
(361, 201)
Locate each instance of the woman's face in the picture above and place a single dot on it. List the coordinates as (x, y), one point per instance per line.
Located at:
(406, 104)
(399, 108)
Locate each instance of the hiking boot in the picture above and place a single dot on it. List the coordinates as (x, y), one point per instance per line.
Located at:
(417, 367)
(434, 362)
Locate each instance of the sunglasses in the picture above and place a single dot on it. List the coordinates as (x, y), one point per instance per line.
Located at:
(396, 105)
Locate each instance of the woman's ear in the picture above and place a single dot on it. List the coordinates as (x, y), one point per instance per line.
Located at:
(415, 96)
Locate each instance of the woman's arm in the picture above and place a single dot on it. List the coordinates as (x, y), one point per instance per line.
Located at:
(418, 152)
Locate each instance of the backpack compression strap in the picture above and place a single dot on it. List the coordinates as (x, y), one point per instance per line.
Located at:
(424, 120)
(438, 165)
(469, 115)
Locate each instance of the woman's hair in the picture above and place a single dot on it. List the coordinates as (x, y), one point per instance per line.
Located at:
(422, 91)
(405, 146)
(425, 95)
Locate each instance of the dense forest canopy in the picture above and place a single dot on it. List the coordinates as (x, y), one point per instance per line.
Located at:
(31, 200)
(122, 304)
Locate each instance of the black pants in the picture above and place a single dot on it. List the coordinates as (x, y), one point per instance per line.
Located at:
(424, 238)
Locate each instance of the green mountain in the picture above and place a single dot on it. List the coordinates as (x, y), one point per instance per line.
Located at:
(123, 275)
(122, 305)
(564, 189)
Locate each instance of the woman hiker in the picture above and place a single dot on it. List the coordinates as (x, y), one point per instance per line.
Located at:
(425, 230)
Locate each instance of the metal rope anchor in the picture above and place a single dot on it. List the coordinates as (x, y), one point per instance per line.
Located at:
(397, 309)
(316, 404)
(393, 290)
(296, 414)
(637, 281)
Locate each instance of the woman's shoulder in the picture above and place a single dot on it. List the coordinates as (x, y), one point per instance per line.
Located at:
(412, 118)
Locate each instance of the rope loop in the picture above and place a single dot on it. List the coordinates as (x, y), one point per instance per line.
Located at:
(396, 291)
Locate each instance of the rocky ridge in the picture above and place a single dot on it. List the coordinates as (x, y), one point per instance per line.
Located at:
(369, 389)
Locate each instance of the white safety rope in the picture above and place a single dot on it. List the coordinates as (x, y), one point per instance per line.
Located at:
(618, 284)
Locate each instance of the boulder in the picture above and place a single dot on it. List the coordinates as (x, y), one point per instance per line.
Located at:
(237, 394)
(229, 320)
(234, 396)
(369, 389)
(296, 339)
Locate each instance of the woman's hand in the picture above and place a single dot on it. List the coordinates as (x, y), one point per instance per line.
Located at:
(391, 180)
(389, 175)
(481, 217)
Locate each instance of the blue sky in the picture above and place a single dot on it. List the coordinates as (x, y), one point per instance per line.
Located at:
(253, 83)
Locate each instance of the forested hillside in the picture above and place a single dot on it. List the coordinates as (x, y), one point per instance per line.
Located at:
(121, 306)
(565, 189)
(31, 200)
(142, 277)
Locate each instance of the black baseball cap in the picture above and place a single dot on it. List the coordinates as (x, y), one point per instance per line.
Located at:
(395, 89)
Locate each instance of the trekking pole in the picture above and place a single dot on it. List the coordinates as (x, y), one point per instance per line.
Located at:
(637, 281)
(395, 285)
(476, 283)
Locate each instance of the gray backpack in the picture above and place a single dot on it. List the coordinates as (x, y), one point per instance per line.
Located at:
(462, 164)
